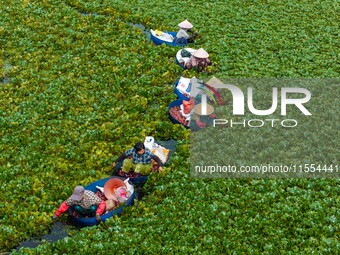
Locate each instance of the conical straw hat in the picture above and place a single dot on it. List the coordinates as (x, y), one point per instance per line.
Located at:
(200, 53)
(185, 24)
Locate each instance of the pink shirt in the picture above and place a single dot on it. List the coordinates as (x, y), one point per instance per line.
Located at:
(197, 62)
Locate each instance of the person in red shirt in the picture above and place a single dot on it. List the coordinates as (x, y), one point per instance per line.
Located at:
(86, 204)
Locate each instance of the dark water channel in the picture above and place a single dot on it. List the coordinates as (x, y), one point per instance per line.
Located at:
(144, 30)
(6, 67)
(60, 229)
(135, 25)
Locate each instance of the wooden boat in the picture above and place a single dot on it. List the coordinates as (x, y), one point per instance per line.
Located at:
(166, 38)
(84, 222)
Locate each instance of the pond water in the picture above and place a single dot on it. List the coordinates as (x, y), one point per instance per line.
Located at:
(143, 28)
(60, 229)
(6, 68)
(5, 80)
(135, 25)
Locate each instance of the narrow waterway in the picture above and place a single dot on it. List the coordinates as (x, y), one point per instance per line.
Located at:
(60, 229)
(135, 25)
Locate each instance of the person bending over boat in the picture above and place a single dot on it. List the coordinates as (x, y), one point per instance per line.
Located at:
(84, 202)
(185, 34)
(139, 159)
(198, 59)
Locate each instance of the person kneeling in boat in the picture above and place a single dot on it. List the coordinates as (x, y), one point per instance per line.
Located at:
(139, 159)
(198, 59)
(84, 202)
(185, 34)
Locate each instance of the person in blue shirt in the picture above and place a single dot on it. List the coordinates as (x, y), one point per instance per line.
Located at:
(139, 159)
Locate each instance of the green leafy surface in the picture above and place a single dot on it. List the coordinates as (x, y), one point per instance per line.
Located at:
(80, 84)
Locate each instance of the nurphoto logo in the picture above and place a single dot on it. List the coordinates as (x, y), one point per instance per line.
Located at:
(265, 128)
(238, 104)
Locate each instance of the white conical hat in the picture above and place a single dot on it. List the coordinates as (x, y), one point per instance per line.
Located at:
(200, 110)
(200, 53)
(185, 24)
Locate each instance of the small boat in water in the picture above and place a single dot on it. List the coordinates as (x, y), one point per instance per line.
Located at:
(167, 38)
(95, 187)
(183, 56)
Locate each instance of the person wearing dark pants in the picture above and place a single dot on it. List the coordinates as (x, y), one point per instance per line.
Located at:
(84, 202)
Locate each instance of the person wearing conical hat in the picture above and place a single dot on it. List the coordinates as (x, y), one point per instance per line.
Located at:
(199, 59)
(184, 35)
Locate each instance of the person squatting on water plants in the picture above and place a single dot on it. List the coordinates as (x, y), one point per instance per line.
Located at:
(138, 159)
(84, 203)
(185, 34)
